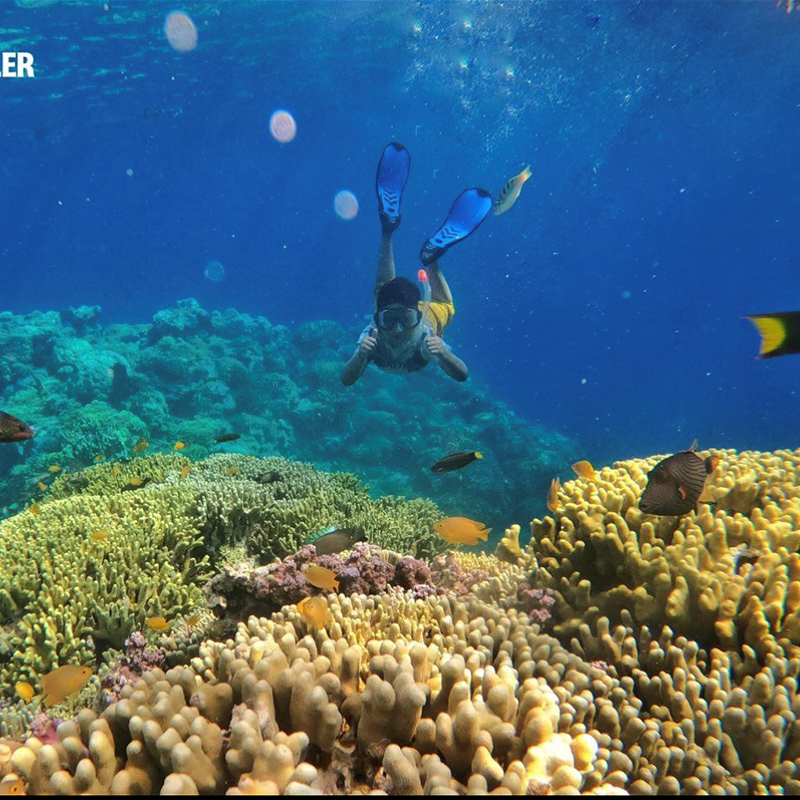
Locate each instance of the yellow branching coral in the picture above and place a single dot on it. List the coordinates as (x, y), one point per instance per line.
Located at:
(727, 575)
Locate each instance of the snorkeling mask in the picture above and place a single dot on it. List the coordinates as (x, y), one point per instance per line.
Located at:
(406, 317)
(388, 319)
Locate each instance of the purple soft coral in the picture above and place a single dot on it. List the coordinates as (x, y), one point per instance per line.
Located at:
(135, 659)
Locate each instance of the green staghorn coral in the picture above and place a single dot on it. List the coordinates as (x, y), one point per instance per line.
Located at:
(64, 596)
(272, 506)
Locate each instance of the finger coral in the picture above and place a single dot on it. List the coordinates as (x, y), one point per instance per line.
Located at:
(602, 554)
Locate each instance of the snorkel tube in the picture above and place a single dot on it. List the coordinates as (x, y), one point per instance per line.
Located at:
(422, 276)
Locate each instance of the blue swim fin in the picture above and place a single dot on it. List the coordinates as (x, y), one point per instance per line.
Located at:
(390, 180)
(467, 212)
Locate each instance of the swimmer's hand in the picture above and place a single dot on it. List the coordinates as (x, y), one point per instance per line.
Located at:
(436, 346)
(368, 345)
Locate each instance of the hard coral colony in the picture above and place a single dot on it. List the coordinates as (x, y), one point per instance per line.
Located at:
(614, 652)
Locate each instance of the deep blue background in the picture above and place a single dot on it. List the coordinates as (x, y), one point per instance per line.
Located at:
(663, 138)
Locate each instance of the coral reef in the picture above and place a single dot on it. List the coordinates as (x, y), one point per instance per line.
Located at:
(603, 555)
(130, 540)
(191, 374)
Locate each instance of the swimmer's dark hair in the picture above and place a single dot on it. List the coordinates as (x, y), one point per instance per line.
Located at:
(399, 290)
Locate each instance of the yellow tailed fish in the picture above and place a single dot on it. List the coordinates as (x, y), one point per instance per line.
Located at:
(314, 611)
(511, 192)
(64, 682)
(157, 624)
(322, 578)
(25, 691)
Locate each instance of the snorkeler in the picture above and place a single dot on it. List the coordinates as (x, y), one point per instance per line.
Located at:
(405, 333)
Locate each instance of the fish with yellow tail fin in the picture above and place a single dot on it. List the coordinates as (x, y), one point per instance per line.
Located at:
(322, 578)
(552, 495)
(25, 691)
(585, 470)
(157, 623)
(64, 682)
(780, 333)
(455, 461)
(511, 192)
(461, 530)
(314, 611)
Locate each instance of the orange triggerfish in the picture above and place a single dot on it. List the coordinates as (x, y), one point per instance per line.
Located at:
(675, 484)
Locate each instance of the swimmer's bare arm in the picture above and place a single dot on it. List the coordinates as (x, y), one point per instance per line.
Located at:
(355, 367)
(443, 355)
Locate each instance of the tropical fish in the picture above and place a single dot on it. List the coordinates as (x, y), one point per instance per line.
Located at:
(35, 509)
(675, 484)
(780, 333)
(268, 477)
(185, 471)
(116, 471)
(335, 540)
(13, 429)
(99, 536)
(54, 468)
(552, 495)
(141, 445)
(233, 470)
(193, 620)
(455, 461)
(15, 788)
(63, 682)
(42, 485)
(227, 437)
(461, 530)
(157, 623)
(322, 578)
(178, 446)
(98, 458)
(25, 691)
(511, 192)
(314, 611)
(584, 469)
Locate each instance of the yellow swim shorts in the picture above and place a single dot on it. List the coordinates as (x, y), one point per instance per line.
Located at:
(439, 315)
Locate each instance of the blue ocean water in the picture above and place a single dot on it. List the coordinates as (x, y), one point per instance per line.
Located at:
(606, 304)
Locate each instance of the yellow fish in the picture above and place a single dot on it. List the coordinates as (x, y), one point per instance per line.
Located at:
(178, 446)
(584, 469)
(322, 578)
(141, 445)
(233, 470)
(99, 536)
(461, 530)
(42, 486)
(54, 468)
(16, 788)
(157, 624)
(185, 471)
(35, 509)
(193, 620)
(552, 495)
(64, 682)
(314, 611)
(25, 691)
(511, 192)
(98, 458)
(116, 471)
(135, 481)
